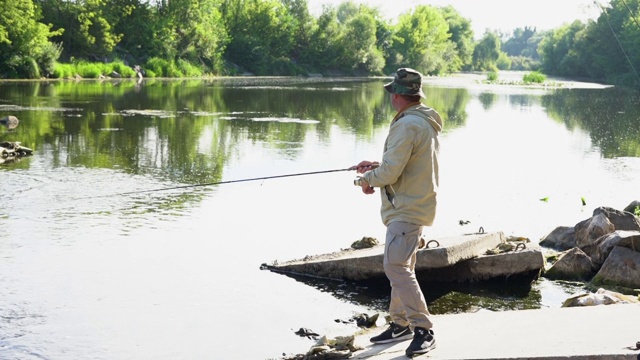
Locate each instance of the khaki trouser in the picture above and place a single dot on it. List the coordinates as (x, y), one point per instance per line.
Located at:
(408, 306)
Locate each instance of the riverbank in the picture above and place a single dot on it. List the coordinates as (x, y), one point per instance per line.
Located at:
(585, 333)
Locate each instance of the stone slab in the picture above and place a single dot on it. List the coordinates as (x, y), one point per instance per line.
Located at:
(364, 264)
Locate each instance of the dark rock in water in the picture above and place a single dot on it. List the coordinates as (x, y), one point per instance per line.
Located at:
(10, 122)
(309, 334)
(366, 321)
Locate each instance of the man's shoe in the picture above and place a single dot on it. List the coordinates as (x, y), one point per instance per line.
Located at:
(423, 342)
(392, 334)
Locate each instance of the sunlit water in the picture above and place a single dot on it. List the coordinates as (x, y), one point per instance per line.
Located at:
(89, 272)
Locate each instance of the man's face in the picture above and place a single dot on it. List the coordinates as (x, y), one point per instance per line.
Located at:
(394, 99)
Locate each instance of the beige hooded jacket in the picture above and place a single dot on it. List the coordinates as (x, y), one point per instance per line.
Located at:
(408, 174)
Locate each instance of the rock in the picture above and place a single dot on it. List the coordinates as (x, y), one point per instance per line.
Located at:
(366, 321)
(309, 334)
(340, 347)
(10, 122)
(601, 297)
(573, 264)
(364, 243)
(632, 206)
(587, 231)
(621, 220)
(621, 268)
(604, 245)
(561, 238)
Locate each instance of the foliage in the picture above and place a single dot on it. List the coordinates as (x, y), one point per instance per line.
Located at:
(195, 31)
(636, 211)
(524, 42)
(534, 77)
(487, 52)
(557, 52)
(63, 71)
(89, 70)
(24, 42)
(156, 67)
(461, 36)
(503, 62)
(523, 63)
(262, 35)
(357, 42)
(280, 37)
(188, 69)
(421, 41)
(492, 76)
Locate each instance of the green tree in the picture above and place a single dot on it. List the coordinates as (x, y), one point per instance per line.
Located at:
(558, 50)
(322, 50)
(523, 42)
(88, 26)
(358, 45)
(304, 25)
(487, 52)
(421, 41)
(617, 52)
(138, 23)
(25, 49)
(262, 36)
(462, 36)
(194, 31)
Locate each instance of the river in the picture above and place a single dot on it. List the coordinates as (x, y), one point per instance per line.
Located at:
(109, 251)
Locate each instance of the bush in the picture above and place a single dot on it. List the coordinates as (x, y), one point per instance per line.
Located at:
(173, 71)
(157, 66)
(188, 69)
(30, 68)
(88, 70)
(62, 71)
(120, 67)
(50, 54)
(492, 76)
(534, 77)
(18, 66)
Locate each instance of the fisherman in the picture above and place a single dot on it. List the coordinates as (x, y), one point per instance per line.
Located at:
(408, 181)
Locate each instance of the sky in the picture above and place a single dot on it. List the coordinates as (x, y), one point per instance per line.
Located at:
(501, 15)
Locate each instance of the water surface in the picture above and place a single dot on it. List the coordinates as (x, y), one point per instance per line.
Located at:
(88, 272)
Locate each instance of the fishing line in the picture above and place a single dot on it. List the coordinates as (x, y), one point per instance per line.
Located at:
(218, 183)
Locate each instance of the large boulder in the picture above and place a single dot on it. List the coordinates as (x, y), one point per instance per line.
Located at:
(604, 245)
(561, 238)
(589, 230)
(573, 264)
(632, 206)
(621, 220)
(622, 268)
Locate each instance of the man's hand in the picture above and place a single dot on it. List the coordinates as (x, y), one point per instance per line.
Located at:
(366, 188)
(365, 166)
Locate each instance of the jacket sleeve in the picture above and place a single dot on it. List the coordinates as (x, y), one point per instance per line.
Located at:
(399, 146)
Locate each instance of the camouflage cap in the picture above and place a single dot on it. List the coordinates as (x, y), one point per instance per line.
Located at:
(406, 82)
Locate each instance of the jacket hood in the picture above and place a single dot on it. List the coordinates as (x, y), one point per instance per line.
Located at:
(427, 113)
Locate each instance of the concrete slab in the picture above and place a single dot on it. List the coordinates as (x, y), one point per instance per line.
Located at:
(586, 333)
(350, 264)
(524, 263)
(456, 258)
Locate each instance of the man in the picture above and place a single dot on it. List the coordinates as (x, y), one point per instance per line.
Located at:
(408, 181)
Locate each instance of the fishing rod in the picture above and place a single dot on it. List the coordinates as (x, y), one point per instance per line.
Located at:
(224, 182)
